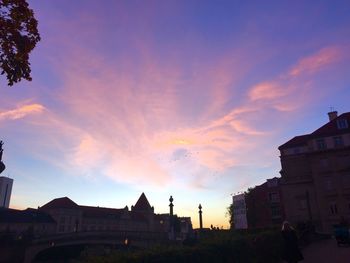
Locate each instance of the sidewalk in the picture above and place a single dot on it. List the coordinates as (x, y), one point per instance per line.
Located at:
(326, 251)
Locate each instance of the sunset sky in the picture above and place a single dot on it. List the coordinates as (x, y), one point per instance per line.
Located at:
(182, 98)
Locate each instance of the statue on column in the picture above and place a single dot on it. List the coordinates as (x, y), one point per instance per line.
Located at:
(200, 217)
(171, 219)
(2, 165)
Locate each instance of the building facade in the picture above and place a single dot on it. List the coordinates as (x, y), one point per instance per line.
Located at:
(265, 204)
(71, 217)
(25, 223)
(239, 211)
(5, 191)
(316, 174)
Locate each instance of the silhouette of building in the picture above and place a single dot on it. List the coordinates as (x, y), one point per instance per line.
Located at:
(185, 227)
(239, 211)
(22, 223)
(5, 191)
(316, 174)
(259, 207)
(265, 204)
(71, 217)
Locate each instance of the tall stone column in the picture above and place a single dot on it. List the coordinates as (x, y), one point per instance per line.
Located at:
(171, 219)
(2, 165)
(171, 206)
(200, 217)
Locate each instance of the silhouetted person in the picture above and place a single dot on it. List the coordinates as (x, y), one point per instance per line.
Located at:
(291, 252)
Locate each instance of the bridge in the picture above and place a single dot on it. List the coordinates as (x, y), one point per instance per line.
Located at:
(121, 238)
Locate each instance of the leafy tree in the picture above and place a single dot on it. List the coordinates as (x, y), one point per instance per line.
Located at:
(18, 37)
(230, 215)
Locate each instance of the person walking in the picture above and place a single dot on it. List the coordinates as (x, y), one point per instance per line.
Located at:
(291, 252)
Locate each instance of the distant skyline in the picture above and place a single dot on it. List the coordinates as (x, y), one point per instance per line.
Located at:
(182, 98)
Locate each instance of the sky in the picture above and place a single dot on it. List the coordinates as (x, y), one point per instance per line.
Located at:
(182, 98)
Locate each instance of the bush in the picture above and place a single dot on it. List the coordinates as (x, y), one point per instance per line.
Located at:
(213, 246)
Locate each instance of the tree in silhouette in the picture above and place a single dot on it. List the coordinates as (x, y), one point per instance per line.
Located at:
(18, 37)
(230, 215)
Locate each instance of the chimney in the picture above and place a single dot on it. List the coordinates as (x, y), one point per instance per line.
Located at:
(332, 115)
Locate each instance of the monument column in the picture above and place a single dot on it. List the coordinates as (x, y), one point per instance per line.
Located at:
(200, 217)
(2, 165)
(171, 219)
(171, 206)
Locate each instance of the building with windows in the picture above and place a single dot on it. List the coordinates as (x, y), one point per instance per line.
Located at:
(25, 223)
(259, 207)
(5, 191)
(316, 174)
(71, 217)
(265, 204)
(239, 212)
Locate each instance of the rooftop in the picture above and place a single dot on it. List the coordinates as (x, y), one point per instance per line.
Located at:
(62, 202)
(339, 125)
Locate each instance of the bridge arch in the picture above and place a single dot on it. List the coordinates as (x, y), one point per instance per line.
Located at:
(116, 239)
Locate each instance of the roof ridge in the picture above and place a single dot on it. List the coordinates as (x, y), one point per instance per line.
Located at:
(61, 202)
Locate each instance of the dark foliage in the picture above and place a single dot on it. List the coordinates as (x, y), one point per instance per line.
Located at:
(18, 37)
(213, 246)
(230, 215)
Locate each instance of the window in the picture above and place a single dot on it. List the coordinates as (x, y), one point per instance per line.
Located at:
(338, 141)
(275, 211)
(334, 209)
(342, 124)
(274, 197)
(321, 145)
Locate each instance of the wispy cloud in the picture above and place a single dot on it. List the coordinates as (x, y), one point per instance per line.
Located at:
(126, 122)
(145, 124)
(267, 90)
(318, 61)
(21, 111)
(293, 89)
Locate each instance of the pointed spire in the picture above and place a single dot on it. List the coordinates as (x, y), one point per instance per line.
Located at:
(142, 204)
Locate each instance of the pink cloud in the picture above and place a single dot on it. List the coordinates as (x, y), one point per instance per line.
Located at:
(125, 119)
(21, 111)
(294, 88)
(267, 90)
(317, 61)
